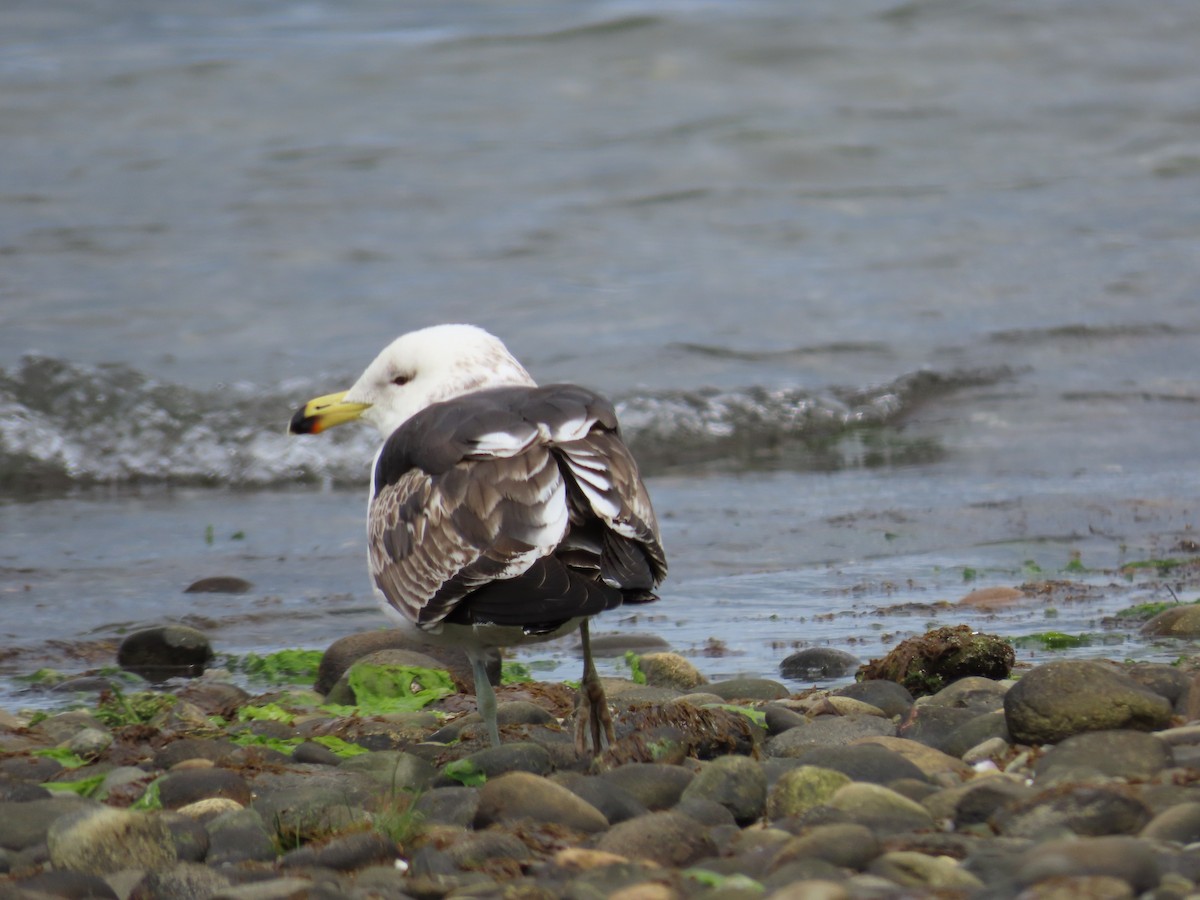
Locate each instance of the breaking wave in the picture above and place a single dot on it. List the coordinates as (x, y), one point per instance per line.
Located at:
(64, 425)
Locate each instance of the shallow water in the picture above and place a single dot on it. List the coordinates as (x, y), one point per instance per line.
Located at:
(885, 291)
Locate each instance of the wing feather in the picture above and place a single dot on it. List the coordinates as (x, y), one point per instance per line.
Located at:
(520, 503)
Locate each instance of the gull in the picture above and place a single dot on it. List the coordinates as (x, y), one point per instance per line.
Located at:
(501, 513)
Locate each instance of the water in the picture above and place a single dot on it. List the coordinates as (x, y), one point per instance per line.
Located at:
(885, 292)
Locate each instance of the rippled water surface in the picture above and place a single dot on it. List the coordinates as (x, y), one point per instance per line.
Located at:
(897, 299)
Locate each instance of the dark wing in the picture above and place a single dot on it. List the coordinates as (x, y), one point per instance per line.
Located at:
(505, 505)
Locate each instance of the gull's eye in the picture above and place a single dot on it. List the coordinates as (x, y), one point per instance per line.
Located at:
(401, 380)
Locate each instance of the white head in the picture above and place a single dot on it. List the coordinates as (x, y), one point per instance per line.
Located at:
(425, 367)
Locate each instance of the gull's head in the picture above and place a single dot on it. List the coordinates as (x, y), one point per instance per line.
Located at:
(414, 371)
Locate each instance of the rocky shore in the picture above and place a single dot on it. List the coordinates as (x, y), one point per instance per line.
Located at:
(1077, 779)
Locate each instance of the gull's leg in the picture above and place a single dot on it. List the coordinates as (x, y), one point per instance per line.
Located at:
(593, 715)
(485, 697)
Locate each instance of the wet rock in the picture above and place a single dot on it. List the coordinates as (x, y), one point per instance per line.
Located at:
(344, 854)
(100, 840)
(394, 770)
(929, 760)
(826, 731)
(926, 664)
(705, 811)
(882, 810)
(90, 743)
(189, 834)
(219, 584)
(670, 670)
(654, 785)
(1128, 859)
(665, 838)
(25, 824)
(388, 658)
(863, 762)
(30, 769)
(495, 761)
(313, 803)
(917, 870)
(242, 836)
(894, 699)
(448, 805)
(975, 731)
(61, 727)
(189, 785)
(183, 881)
(980, 695)
(816, 663)
(65, 884)
(748, 689)
(611, 799)
(992, 598)
(1179, 823)
(846, 846)
(609, 645)
(180, 751)
(1066, 697)
(1084, 809)
(1124, 754)
(982, 800)
(523, 795)
(345, 651)
(738, 783)
(1181, 621)
(166, 651)
(933, 725)
(801, 789)
(473, 851)
(780, 718)
(1166, 681)
(316, 754)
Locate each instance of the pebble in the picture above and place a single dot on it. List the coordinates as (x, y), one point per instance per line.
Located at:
(857, 792)
(816, 663)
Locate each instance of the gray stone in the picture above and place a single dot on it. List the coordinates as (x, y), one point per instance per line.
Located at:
(1083, 809)
(1179, 823)
(780, 718)
(748, 689)
(655, 785)
(25, 824)
(863, 762)
(825, 731)
(1066, 697)
(496, 761)
(978, 694)
(392, 769)
(473, 850)
(61, 884)
(932, 725)
(893, 698)
(183, 881)
(847, 846)
(818, 663)
(665, 838)
(101, 840)
(975, 731)
(1129, 859)
(523, 795)
(736, 782)
(985, 797)
(345, 651)
(90, 742)
(918, 870)
(186, 786)
(1124, 754)
(242, 836)
(345, 853)
(448, 805)
(616, 803)
(882, 810)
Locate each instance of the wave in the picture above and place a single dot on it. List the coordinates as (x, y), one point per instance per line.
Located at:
(65, 425)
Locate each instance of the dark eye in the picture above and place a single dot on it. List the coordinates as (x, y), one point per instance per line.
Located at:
(401, 380)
